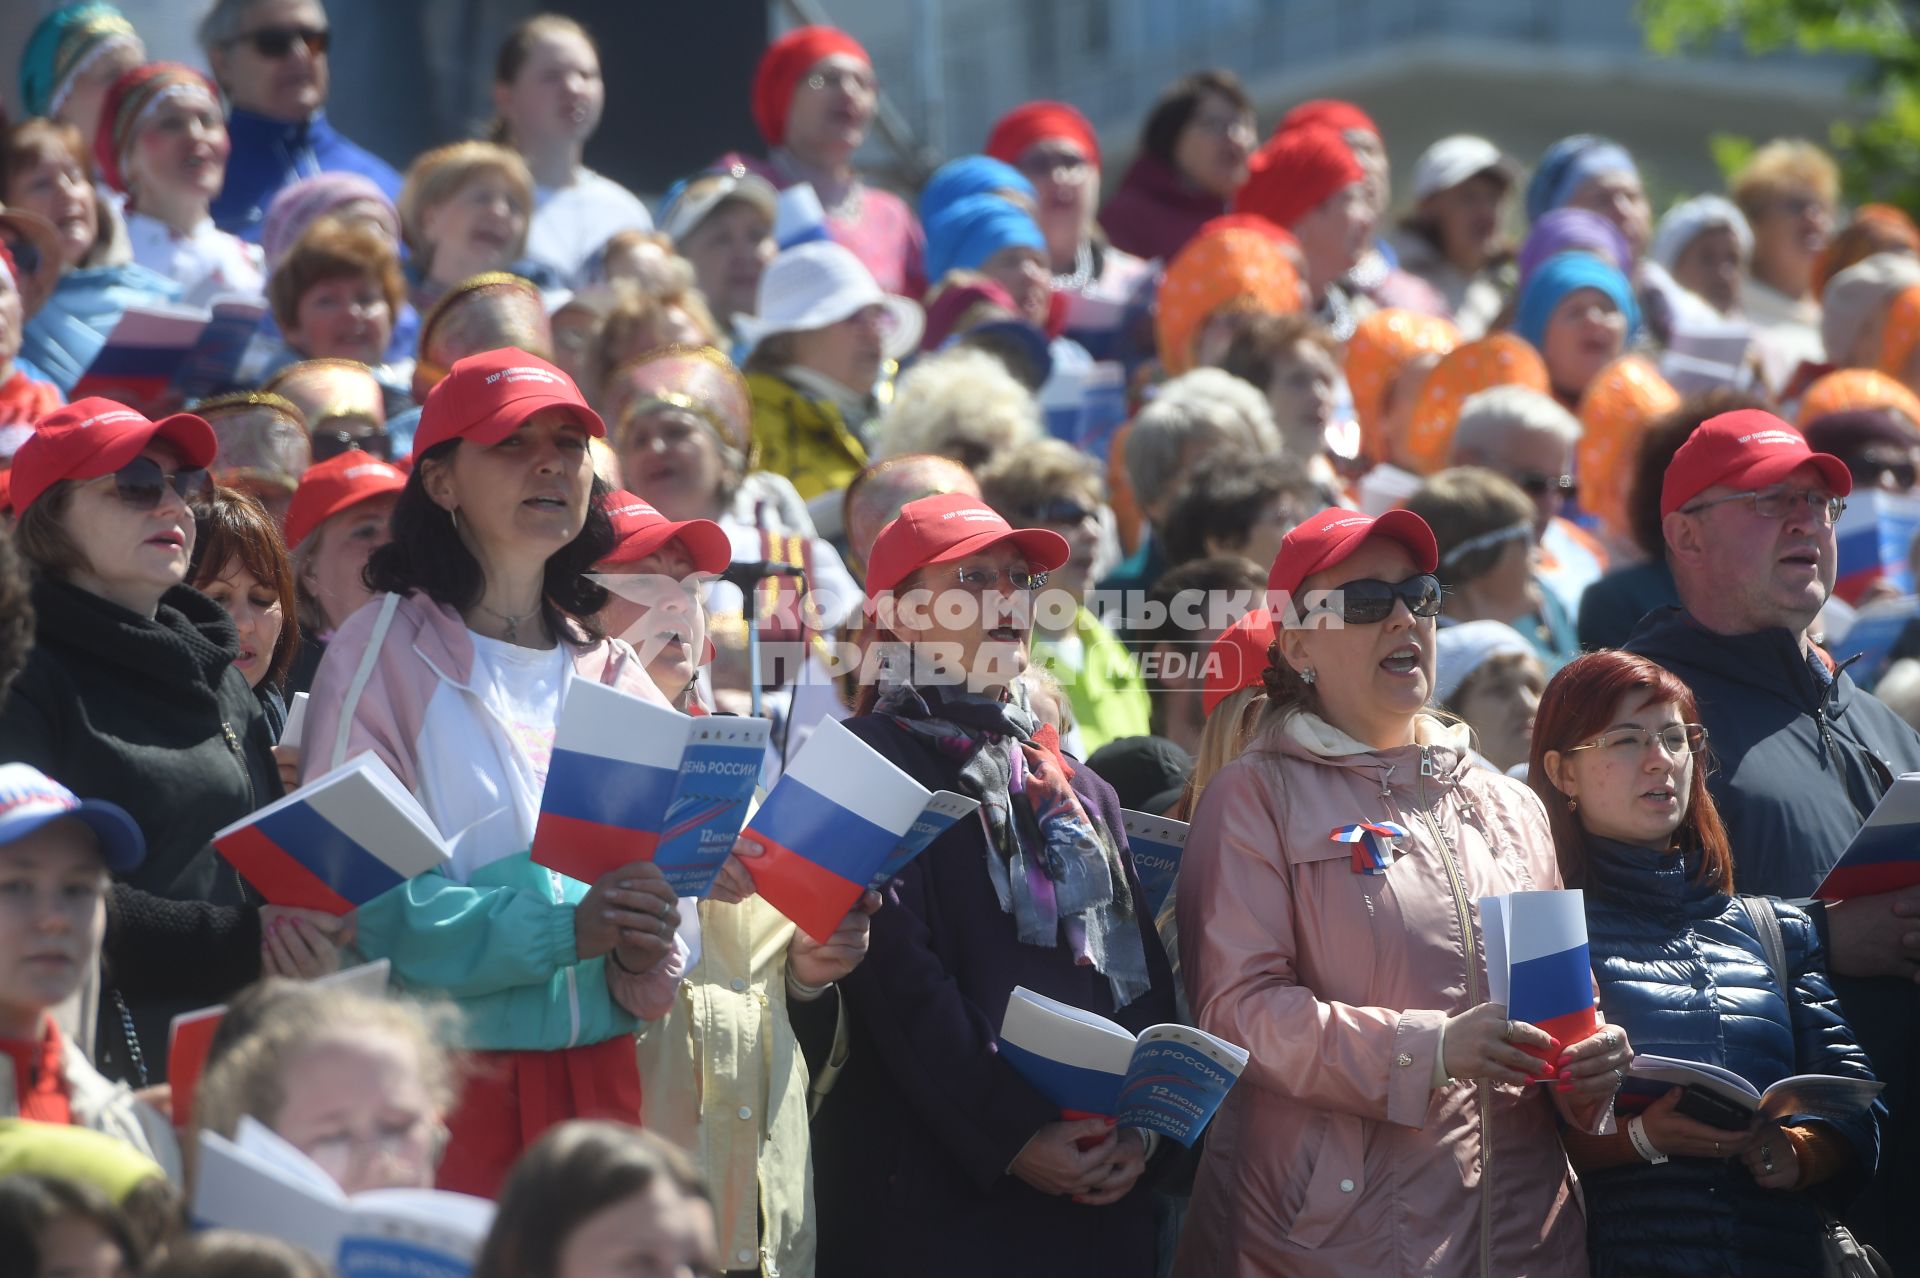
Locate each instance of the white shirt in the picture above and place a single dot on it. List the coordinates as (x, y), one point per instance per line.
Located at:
(206, 263)
(571, 223)
(527, 684)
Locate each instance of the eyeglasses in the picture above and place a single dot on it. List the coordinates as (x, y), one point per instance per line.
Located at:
(847, 81)
(981, 580)
(1370, 600)
(1895, 476)
(140, 483)
(1775, 503)
(277, 42)
(1057, 510)
(1675, 739)
(1068, 166)
(330, 440)
(1536, 485)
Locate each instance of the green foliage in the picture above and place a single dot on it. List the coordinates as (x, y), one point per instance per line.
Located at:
(1879, 156)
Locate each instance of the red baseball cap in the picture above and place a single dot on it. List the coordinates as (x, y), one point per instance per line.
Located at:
(486, 397)
(1747, 448)
(639, 530)
(93, 437)
(335, 485)
(1335, 533)
(950, 526)
(1237, 657)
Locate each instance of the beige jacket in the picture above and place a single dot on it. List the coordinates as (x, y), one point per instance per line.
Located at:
(1337, 1154)
(103, 1106)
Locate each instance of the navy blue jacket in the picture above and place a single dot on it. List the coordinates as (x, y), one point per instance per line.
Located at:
(912, 1145)
(270, 154)
(1683, 970)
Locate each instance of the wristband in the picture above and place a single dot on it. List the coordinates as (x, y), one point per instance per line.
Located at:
(1637, 1133)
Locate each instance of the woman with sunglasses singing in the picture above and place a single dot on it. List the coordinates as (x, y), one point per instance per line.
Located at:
(1696, 973)
(977, 1171)
(133, 694)
(1388, 1122)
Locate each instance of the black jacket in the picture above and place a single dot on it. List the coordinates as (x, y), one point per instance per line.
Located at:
(1682, 970)
(1611, 607)
(1797, 767)
(153, 716)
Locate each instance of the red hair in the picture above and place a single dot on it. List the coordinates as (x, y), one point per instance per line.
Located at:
(1577, 706)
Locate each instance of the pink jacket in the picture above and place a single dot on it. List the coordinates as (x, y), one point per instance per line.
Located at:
(1336, 1154)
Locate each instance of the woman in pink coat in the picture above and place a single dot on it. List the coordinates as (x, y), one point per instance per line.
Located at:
(1389, 1121)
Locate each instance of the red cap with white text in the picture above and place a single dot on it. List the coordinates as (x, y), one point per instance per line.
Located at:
(1747, 448)
(93, 437)
(1327, 539)
(486, 397)
(337, 484)
(950, 526)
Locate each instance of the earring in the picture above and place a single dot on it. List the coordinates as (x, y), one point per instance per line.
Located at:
(454, 515)
(1573, 804)
(1307, 676)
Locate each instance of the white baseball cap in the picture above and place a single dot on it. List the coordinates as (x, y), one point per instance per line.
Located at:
(1451, 161)
(690, 203)
(813, 285)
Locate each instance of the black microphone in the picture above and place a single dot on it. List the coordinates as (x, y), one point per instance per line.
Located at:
(748, 572)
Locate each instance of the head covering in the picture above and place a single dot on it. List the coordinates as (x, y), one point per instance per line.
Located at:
(877, 494)
(970, 175)
(1747, 448)
(1565, 274)
(813, 285)
(690, 201)
(1688, 218)
(1459, 652)
(36, 262)
(939, 530)
(1572, 231)
(1330, 113)
(1615, 411)
(969, 232)
(1453, 160)
(130, 103)
(78, 1155)
(698, 379)
(1853, 431)
(1865, 235)
(1295, 172)
(1853, 299)
(514, 314)
(63, 45)
(639, 530)
(337, 484)
(1568, 165)
(1228, 265)
(301, 204)
(1035, 122)
(1329, 538)
(486, 397)
(1499, 359)
(961, 296)
(1381, 346)
(263, 439)
(29, 799)
(1237, 658)
(1147, 774)
(1855, 389)
(783, 65)
(1902, 332)
(92, 437)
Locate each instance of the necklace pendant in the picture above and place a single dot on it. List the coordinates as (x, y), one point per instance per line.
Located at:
(513, 630)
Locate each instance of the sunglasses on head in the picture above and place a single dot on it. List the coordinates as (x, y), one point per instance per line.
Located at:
(1370, 600)
(141, 483)
(277, 42)
(331, 441)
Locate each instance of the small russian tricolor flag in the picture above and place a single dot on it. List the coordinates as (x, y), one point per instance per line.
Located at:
(1372, 844)
(832, 820)
(337, 842)
(1549, 970)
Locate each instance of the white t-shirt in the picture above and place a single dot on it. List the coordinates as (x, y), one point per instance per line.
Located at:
(206, 263)
(570, 223)
(527, 685)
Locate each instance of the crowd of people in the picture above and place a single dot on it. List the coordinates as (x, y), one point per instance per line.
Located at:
(1492, 510)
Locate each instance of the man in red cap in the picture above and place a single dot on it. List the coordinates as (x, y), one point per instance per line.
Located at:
(1748, 513)
(1308, 181)
(654, 600)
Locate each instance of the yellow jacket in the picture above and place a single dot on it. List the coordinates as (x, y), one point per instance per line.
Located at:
(722, 1077)
(803, 438)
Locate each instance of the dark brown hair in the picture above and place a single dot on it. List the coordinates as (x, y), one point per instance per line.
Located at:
(229, 1253)
(335, 249)
(41, 534)
(1174, 109)
(16, 614)
(1263, 341)
(1224, 496)
(1658, 443)
(31, 139)
(518, 47)
(1577, 706)
(233, 525)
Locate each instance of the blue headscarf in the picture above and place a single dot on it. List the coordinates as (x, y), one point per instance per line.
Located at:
(969, 175)
(1568, 164)
(61, 45)
(973, 230)
(1564, 274)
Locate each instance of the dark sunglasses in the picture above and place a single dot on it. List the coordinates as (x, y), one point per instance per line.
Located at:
(1370, 600)
(1536, 485)
(277, 42)
(141, 483)
(1059, 510)
(1876, 474)
(25, 253)
(331, 442)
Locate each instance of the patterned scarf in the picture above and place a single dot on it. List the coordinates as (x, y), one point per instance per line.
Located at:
(1054, 867)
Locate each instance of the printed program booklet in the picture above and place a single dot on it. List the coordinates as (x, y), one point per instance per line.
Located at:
(1885, 855)
(1156, 843)
(1824, 1096)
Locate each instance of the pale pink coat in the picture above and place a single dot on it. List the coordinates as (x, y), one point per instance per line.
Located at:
(1336, 1154)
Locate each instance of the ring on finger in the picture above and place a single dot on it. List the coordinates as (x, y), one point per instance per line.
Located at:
(1507, 1033)
(1766, 1157)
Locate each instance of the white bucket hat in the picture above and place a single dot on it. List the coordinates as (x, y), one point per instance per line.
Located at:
(813, 285)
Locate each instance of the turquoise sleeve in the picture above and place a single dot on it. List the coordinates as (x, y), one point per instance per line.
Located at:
(467, 939)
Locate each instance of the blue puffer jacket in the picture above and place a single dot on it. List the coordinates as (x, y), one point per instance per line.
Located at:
(1681, 968)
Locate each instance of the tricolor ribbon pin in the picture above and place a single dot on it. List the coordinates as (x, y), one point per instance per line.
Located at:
(1372, 844)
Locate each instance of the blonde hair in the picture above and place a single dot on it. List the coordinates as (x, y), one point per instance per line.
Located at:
(1224, 738)
(634, 312)
(1783, 165)
(962, 404)
(247, 1079)
(434, 177)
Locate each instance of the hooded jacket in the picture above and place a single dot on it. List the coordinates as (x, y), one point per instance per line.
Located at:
(1336, 1153)
(1682, 970)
